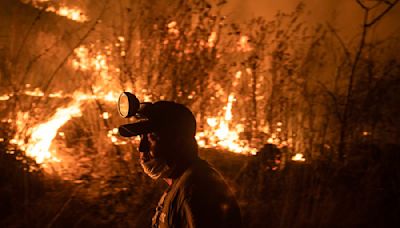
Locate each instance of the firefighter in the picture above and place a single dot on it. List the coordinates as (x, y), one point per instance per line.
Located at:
(197, 194)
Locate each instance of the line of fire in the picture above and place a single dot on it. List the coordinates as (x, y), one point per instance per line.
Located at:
(298, 109)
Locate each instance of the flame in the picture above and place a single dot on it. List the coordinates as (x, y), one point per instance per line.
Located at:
(220, 135)
(39, 144)
(42, 135)
(61, 10)
(298, 157)
(73, 14)
(105, 86)
(220, 131)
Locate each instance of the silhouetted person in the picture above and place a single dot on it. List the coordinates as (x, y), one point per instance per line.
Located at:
(197, 195)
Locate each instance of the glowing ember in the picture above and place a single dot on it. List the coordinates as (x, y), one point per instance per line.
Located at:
(243, 44)
(365, 133)
(4, 97)
(211, 39)
(106, 115)
(35, 93)
(298, 157)
(172, 28)
(113, 136)
(58, 94)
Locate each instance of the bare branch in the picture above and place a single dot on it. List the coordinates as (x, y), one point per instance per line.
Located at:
(72, 50)
(334, 99)
(377, 18)
(341, 42)
(362, 5)
(24, 40)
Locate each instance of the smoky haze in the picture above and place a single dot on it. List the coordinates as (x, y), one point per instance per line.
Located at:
(344, 15)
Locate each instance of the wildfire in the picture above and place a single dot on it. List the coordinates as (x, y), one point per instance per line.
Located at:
(220, 132)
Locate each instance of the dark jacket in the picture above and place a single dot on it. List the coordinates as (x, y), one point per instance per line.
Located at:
(198, 198)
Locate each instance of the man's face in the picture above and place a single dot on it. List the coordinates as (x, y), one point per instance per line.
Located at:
(149, 147)
(151, 156)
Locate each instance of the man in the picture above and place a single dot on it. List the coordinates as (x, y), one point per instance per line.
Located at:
(197, 195)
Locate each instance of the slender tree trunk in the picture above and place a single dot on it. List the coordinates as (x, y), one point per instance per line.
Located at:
(254, 121)
(349, 98)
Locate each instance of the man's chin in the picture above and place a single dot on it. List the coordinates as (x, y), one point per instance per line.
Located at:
(155, 169)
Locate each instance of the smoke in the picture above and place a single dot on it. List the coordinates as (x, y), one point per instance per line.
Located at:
(344, 15)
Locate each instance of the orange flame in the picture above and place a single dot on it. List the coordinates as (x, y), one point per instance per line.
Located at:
(42, 135)
(220, 135)
(62, 10)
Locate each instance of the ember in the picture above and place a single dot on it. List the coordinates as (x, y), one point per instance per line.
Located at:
(4, 97)
(298, 157)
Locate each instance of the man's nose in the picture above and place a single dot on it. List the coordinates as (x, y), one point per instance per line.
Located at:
(144, 145)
